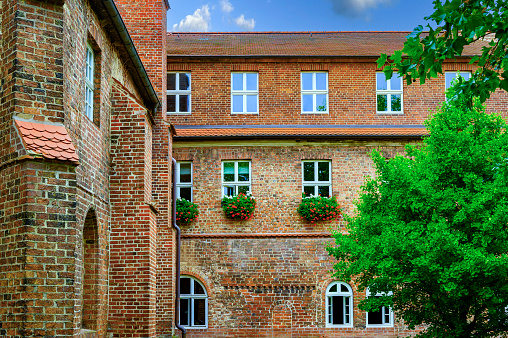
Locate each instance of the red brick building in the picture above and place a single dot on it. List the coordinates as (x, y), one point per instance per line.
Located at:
(95, 99)
(279, 114)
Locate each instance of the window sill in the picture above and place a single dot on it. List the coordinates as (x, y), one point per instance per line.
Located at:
(380, 326)
(195, 327)
(337, 326)
(168, 113)
(389, 113)
(314, 113)
(242, 113)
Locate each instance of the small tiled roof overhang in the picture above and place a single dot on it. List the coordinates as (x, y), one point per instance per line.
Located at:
(50, 141)
(291, 131)
(293, 44)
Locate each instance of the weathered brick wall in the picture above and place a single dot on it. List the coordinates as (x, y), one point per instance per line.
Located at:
(352, 92)
(267, 277)
(133, 237)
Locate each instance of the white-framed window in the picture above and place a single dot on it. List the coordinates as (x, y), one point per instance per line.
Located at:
(314, 92)
(339, 305)
(193, 303)
(450, 76)
(89, 81)
(382, 317)
(178, 93)
(244, 93)
(184, 180)
(389, 98)
(236, 177)
(317, 178)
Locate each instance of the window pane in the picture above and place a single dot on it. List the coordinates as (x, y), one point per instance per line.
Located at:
(381, 103)
(185, 172)
(229, 191)
(338, 310)
(237, 81)
(237, 103)
(171, 82)
(198, 289)
(184, 81)
(184, 103)
(343, 288)
(333, 288)
(396, 103)
(252, 81)
(449, 77)
(199, 312)
(321, 81)
(375, 317)
(307, 102)
(308, 190)
(306, 81)
(243, 172)
(381, 81)
(395, 82)
(252, 103)
(308, 171)
(324, 191)
(321, 102)
(185, 286)
(243, 189)
(186, 192)
(184, 311)
(323, 171)
(171, 103)
(466, 76)
(229, 172)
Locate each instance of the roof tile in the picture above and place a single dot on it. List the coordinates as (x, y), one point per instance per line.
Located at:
(50, 141)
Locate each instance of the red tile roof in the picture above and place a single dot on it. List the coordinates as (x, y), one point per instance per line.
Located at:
(292, 44)
(48, 140)
(339, 131)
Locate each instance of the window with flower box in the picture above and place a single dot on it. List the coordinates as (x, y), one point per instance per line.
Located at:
(236, 177)
(184, 180)
(317, 178)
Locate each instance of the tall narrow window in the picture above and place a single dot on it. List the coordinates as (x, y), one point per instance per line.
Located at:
(339, 305)
(317, 178)
(450, 76)
(184, 180)
(382, 317)
(235, 177)
(244, 93)
(314, 92)
(389, 94)
(193, 303)
(89, 81)
(179, 93)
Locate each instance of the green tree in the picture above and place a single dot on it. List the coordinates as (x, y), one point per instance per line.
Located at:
(458, 23)
(432, 227)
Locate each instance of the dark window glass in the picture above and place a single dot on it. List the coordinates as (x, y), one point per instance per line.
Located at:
(323, 171)
(184, 311)
(185, 173)
(198, 289)
(185, 286)
(243, 171)
(338, 309)
(186, 193)
(199, 312)
(171, 103)
(381, 103)
(333, 288)
(308, 191)
(243, 189)
(324, 191)
(343, 288)
(184, 81)
(184, 103)
(375, 317)
(229, 191)
(308, 171)
(171, 82)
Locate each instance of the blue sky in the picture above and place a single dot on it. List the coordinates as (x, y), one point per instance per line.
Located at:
(297, 15)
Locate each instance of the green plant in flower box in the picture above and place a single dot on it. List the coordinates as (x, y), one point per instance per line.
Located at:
(319, 208)
(239, 206)
(186, 211)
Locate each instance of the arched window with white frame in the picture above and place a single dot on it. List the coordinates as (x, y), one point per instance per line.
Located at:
(193, 303)
(339, 305)
(383, 317)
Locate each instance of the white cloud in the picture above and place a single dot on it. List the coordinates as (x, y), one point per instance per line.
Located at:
(197, 22)
(245, 24)
(226, 6)
(354, 8)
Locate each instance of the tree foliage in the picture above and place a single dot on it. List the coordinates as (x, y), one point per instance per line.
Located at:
(458, 23)
(432, 227)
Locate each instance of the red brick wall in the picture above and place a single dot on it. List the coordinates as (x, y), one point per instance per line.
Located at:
(352, 93)
(267, 276)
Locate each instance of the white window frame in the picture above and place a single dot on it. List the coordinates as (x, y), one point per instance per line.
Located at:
(244, 92)
(314, 92)
(389, 92)
(192, 297)
(89, 81)
(455, 74)
(317, 184)
(177, 92)
(179, 184)
(347, 309)
(236, 183)
(386, 312)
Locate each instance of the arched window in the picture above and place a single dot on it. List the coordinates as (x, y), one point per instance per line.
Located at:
(193, 303)
(339, 305)
(382, 317)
